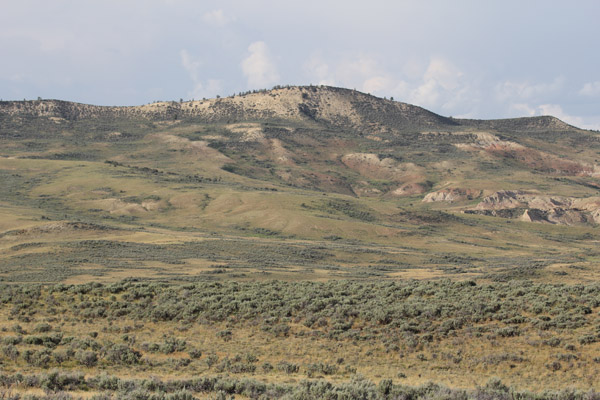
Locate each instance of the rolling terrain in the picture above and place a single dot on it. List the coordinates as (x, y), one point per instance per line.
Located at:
(296, 236)
(328, 182)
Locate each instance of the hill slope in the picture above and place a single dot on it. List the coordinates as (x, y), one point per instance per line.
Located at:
(327, 182)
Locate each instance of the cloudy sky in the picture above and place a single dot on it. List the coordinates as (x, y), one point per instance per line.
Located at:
(476, 59)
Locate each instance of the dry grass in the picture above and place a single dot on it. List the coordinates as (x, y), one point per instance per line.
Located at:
(534, 358)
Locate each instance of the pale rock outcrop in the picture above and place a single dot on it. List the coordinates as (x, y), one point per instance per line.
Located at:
(539, 208)
(503, 199)
(452, 195)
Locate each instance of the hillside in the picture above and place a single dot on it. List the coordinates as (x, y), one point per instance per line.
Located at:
(302, 242)
(331, 182)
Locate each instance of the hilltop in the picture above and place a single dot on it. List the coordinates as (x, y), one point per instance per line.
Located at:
(329, 105)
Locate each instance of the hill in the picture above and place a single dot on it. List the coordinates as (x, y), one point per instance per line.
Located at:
(310, 242)
(329, 169)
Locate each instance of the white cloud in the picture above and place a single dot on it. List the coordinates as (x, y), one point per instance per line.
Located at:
(509, 90)
(590, 89)
(427, 94)
(363, 66)
(362, 72)
(377, 84)
(259, 68)
(441, 86)
(199, 90)
(401, 90)
(465, 100)
(413, 67)
(443, 73)
(365, 73)
(217, 17)
(522, 109)
(210, 89)
(191, 66)
(318, 71)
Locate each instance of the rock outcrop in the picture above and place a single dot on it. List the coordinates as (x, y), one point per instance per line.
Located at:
(452, 195)
(533, 207)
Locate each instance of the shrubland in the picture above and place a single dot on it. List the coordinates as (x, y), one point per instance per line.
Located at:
(460, 334)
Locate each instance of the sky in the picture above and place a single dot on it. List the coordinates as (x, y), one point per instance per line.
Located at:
(460, 58)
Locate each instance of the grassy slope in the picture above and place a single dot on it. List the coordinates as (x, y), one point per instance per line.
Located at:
(232, 197)
(122, 204)
(165, 183)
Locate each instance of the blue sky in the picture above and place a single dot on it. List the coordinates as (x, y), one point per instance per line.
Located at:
(476, 59)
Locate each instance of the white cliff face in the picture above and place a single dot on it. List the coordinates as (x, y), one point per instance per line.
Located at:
(452, 195)
(539, 208)
(503, 199)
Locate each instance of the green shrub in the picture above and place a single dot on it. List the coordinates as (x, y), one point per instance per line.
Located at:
(122, 354)
(287, 367)
(10, 351)
(38, 358)
(87, 358)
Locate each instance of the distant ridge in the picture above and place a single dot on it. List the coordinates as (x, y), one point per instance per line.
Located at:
(325, 104)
